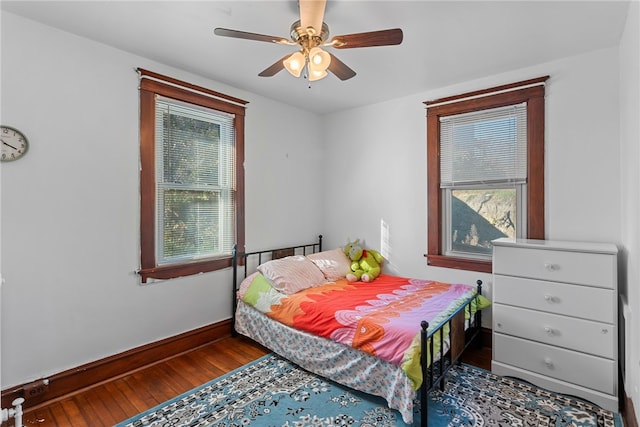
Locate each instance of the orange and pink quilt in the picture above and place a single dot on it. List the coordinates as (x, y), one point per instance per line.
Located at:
(381, 318)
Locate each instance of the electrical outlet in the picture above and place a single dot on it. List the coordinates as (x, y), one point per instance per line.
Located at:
(36, 389)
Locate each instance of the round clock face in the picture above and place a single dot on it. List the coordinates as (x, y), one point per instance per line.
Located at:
(14, 144)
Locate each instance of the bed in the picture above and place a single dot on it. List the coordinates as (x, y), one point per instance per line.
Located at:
(394, 337)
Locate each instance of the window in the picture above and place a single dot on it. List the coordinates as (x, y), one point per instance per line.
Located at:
(485, 161)
(191, 179)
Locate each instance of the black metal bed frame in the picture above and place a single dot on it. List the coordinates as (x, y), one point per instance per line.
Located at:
(433, 374)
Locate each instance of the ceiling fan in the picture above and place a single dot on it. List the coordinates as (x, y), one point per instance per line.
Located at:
(310, 33)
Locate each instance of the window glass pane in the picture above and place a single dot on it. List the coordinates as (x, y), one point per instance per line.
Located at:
(479, 216)
(195, 167)
(191, 223)
(191, 151)
(191, 140)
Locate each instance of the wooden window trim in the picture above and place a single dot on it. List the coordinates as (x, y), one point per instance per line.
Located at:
(530, 91)
(153, 84)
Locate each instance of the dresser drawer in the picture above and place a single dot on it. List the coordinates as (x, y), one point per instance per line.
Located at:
(593, 269)
(575, 334)
(572, 300)
(582, 369)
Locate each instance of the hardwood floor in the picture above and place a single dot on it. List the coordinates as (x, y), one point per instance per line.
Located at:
(118, 399)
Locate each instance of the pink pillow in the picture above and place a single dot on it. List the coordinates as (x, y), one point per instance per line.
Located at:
(291, 274)
(334, 264)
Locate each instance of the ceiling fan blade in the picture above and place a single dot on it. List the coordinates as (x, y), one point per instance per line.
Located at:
(373, 38)
(340, 69)
(225, 32)
(312, 14)
(275, 68)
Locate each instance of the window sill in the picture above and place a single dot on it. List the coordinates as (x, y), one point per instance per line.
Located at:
(165, 272)
(459, 263)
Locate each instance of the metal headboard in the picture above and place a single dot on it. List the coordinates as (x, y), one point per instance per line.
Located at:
(249, 261)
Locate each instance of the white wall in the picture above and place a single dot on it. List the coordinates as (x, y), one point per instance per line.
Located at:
(70, 207)
(630, 193)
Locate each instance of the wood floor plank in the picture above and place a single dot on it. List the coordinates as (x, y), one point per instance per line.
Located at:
(138, 397)
(116, 397)
(154, 385)
(44, 417)
(127, 396)
(187, 372)
(206, 370)
(92, 413)
(105, 405)
(228, 360)
(72, 410)
(178, 380)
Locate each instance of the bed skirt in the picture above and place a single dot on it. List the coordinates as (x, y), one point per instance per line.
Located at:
(342, 364)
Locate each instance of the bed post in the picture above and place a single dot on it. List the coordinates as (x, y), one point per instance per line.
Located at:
(423, 364)
(234, 264)
(319, 242)
(479, 317)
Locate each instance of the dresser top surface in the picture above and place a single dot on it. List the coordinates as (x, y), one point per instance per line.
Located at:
(605, 248)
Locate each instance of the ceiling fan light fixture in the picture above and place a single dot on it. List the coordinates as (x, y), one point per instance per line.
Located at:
(316, 74)
(319, 59)
(295, 64)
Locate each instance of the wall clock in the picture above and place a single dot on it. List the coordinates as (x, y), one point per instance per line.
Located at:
(14, 144)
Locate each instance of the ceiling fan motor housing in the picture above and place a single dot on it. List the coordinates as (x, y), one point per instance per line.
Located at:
(308, 37)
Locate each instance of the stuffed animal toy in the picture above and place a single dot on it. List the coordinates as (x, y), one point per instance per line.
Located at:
(365, 263)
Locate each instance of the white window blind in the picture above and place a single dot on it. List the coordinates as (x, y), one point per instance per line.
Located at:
(484, 147)
(195, 181)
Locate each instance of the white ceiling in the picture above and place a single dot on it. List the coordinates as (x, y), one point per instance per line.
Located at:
(445, 42)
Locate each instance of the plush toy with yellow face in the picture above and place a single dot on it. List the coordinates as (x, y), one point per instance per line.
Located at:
(365, 263)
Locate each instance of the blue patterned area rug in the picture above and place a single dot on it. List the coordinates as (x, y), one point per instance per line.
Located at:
(273, 392)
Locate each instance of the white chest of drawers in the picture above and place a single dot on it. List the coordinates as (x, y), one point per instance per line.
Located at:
(555, 316)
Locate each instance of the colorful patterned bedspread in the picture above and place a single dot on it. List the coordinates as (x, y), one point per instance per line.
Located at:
(381, 318)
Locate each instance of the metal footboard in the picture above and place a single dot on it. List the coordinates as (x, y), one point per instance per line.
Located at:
(433, 374)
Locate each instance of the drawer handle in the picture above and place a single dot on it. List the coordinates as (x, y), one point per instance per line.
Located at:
(548, 362)
(605, 331)
(551, 267)
(549, 298)
(550, 331)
